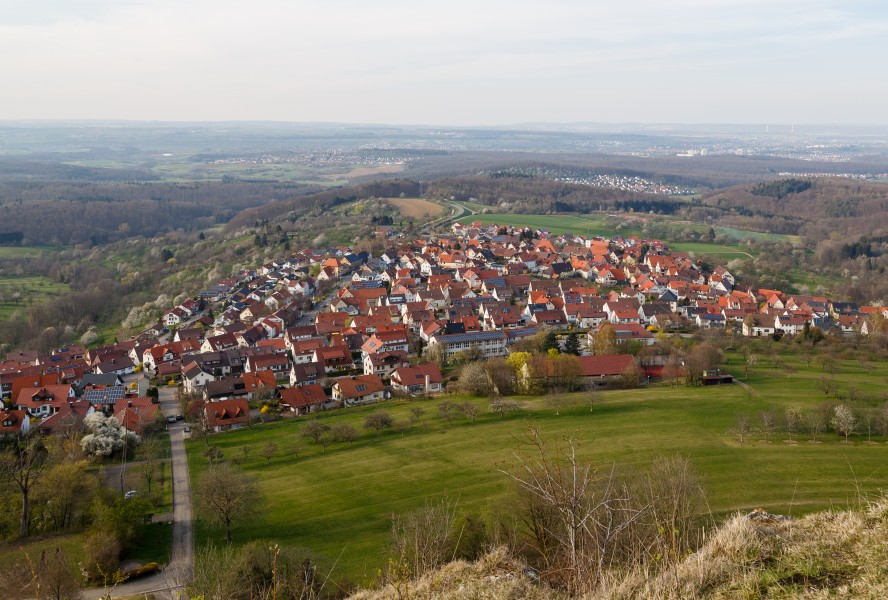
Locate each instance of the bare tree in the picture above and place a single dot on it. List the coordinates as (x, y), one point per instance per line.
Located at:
(825, 384)
(268, 450)
(589, 514)
(556, 400)
(868, 420)
(416, 413)
(343, 432)
(767, 423)
(23, 463)
(423, 540)
(225, 494)
(502, 406)
(815, 423)
(741, 427)
(313, 430)
(377, 421)
(448, 410)
(470, 410)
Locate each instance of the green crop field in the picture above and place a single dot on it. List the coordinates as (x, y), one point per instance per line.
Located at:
(339, 502)
(723, 252)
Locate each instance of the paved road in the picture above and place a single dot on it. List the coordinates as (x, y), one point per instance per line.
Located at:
(167, 583)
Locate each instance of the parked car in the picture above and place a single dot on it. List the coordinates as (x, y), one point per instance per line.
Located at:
(171, 419)
(131, 494)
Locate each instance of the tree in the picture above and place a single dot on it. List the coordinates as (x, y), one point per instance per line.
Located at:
(551, 342)
(825, 384)
(470, 410)
(793, 419)
(313, 430)
(377, 421)
(567, 371)
(416, 413)
(868, 420)
(473, 379)
(815, 422)
(501, 376)
(268, 450)
(502, 406)
(556, 400)
(741, 427)
(23, 463)
(751, 361)
(768, 424)
(55, 577)
(63, 495)
(572, 345)
(448, 410)
(106, 436)
(631, 376)
(343, 432)
(605, 340)
(844, 420)
(225, 494)
(703, 357)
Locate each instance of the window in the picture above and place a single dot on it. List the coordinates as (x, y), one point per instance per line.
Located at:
(361, 387)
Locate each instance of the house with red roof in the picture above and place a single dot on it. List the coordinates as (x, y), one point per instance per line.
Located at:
(358, 389)
(419, 379)
(303, 400)
(223, 415)
(14, 422)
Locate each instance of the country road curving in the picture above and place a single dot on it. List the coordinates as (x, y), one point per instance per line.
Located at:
(177, 573)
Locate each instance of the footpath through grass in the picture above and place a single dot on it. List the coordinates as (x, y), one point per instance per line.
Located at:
(339, 502)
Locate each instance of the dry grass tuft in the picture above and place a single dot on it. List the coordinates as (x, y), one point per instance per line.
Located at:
(831, 554)
(496, 576)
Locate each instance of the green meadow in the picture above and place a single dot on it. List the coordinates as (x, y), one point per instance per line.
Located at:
(17, 293)
(338, 503)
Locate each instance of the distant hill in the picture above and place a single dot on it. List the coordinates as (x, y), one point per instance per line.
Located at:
(812, 207)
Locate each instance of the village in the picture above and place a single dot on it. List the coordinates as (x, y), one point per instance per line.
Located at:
(327, 329)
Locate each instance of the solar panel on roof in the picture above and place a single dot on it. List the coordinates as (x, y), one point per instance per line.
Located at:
(108, 395)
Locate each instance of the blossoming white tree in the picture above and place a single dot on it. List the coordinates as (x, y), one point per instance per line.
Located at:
(106, 436)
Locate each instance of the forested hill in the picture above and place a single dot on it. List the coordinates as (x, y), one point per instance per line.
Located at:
(819, 207)
(539, 195)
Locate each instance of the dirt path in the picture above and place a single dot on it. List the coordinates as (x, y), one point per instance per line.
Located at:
(747, 387)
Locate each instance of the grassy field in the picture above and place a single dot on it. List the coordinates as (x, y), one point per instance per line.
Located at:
(338, 503)
(17, 252)
(723, 252)
(604, 226)
(33, 290)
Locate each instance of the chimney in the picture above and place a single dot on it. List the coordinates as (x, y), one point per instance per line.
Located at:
(428, 381)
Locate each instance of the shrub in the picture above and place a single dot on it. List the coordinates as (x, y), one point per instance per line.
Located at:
(101, 556)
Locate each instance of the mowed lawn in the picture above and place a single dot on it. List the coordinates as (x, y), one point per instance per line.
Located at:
(339, 503)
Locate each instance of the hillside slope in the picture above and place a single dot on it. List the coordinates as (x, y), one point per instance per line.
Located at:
(850, 208)
(828, 554)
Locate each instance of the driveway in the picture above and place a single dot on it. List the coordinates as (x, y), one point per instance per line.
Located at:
(169, 582)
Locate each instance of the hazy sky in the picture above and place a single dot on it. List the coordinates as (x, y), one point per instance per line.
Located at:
(451, 63)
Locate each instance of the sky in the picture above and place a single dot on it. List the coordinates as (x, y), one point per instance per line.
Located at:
(470, 63)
